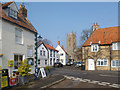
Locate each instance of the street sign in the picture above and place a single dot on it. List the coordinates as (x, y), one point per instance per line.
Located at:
(43, 72)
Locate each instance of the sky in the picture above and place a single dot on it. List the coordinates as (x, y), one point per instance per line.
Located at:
(53, 20)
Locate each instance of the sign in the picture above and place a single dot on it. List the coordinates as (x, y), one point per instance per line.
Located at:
(43, 72)
(36, 72)
(10, 63)
(13, 81)
(4, 81)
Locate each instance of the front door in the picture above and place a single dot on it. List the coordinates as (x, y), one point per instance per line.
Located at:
(91, 65)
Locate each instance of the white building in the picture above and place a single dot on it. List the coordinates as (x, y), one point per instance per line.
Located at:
(17, 37)
(47, 55)
(62, 54)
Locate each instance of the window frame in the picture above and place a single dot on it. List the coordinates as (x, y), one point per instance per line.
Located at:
(115, 62)
(18, 36)
(96, 46)
(12, 13)
(116, 46)
(18, 61)
(101, 62)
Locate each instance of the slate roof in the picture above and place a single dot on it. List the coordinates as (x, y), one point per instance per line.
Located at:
(104, 36)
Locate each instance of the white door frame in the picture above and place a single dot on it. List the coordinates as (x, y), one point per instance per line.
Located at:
(91, 64)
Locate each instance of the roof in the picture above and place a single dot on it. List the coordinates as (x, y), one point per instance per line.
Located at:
(104, 36)
(50, 47)
(6, 4)
(64, 50)
(22, 21)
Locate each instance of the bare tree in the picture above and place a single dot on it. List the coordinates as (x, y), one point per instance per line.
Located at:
(46, 41)
(85, 35)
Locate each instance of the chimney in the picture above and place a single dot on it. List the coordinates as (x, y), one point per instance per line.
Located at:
(58, 42)
(95, 27)
(23, 10)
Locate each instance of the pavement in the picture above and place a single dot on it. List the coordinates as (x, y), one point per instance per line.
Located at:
(41, 82)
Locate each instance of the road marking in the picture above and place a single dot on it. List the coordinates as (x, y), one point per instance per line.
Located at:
(108, 75)
(102, 84)
(115, 86)
(105, 83)
(86, 80)
(93, 81)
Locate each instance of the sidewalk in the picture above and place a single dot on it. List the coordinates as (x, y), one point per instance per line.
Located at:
(41, 82)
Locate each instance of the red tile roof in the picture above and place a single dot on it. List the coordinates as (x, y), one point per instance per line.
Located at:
(22, 21)
(6, 4)
(104, 35)
(50, 47)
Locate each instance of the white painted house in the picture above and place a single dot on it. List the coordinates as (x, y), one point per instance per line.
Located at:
(62, 54)
(47, 55)
(17, 37)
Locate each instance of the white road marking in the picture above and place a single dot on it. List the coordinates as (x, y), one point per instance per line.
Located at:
(102, 84)
(108, 75)
(86, 80)
(115, 86)
(93, 81)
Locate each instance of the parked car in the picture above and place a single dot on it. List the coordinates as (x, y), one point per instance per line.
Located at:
(58, 64)
(71, 63)
(68, 63)
(79, 64)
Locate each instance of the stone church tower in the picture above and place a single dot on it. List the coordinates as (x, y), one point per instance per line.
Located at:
(71, 45)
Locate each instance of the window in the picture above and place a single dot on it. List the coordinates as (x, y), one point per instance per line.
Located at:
(29, 52)
(102, 62)
(39, 61)
(115, 63)
(18, 36)
(61, 54)
(54, 60)
(41, 52)
(116, 46)
(50, 53)
(94, 48)
(62, 60)
(45, 62)
(54, 53)
(12, 13)
(17, 61)
(50, 61)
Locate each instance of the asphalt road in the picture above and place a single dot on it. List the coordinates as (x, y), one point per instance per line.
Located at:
(112, 77)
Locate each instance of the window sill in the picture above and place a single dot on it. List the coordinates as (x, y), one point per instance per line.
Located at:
(19, 44)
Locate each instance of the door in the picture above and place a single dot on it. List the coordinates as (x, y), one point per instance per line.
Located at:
(91, 65)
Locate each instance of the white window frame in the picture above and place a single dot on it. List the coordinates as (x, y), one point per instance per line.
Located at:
(13, 13)
(17, 36)
(29, 52)
(102, 60)
(116, 46)
(115, 61)
(93, 47)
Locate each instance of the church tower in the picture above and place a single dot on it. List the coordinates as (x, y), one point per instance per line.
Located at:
(71, 45)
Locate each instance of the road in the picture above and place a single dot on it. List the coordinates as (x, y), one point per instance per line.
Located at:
(111, 77)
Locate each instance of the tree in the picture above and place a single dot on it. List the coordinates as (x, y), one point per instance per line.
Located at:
(85, 35)
(46, 41)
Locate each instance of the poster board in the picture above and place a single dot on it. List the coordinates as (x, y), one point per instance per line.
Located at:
(43, 73)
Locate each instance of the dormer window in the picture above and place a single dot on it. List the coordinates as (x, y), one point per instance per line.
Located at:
(12, 13)
(94, 47)
(116, 46)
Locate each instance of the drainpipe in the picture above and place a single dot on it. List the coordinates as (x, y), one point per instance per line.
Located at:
(110, 57)
(35, 50)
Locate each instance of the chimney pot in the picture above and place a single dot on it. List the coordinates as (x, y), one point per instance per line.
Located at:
(58, 42)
